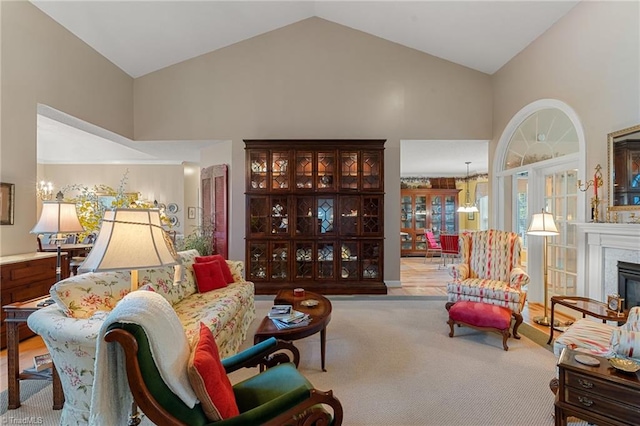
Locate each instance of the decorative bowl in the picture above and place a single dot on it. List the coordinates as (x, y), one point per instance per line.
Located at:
(626, 365)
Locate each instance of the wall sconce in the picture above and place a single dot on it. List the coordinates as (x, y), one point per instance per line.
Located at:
(44, 190)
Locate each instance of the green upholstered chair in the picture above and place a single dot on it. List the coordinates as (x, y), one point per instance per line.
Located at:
(280, 395)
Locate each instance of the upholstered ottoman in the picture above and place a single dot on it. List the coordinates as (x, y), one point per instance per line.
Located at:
(484, 317)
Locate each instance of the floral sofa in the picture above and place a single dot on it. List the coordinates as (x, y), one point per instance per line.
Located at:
(70, 327)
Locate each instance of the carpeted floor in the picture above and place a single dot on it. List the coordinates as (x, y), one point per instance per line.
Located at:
(390, 362)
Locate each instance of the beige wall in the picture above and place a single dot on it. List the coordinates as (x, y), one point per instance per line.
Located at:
(43, 63)
(591, 61)
(314, 79)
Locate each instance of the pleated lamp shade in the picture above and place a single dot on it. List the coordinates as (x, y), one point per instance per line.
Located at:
(130, 239)
(542, 224)
(58, 218)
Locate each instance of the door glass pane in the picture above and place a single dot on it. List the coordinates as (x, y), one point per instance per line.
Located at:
(421, 212)
(326, 170)
(326, 260)
(304, 169)
(522, 205)
(304, 259)
(325, 215)
(280, 170)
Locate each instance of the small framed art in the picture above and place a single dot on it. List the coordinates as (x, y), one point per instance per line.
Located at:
(191, 213)
(7, 194)
(471, 216)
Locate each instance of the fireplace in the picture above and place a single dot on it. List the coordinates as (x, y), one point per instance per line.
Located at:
(629, 283)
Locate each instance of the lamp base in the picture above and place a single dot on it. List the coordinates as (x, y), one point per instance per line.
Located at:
(546, 322)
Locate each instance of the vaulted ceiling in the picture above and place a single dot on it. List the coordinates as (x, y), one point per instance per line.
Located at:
(144, 36)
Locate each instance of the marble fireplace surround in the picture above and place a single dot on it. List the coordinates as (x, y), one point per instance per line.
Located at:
(600, 247)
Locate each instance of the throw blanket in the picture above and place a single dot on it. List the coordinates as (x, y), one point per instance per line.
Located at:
(111, 398)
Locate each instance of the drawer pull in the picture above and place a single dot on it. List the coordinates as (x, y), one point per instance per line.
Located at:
(585, 384)
(585, 401)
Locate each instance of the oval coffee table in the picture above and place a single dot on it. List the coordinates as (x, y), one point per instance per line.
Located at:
(320, 316)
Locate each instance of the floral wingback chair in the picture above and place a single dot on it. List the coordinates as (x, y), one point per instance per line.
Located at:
(489, 271)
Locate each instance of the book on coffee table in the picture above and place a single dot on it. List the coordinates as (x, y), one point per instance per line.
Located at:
(280, 311)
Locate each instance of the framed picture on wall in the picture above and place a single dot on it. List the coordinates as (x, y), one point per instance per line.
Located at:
(7, 193)
(471, 216)
(191, 213)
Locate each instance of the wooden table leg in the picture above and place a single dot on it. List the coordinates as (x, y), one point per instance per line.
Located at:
(323, 346)
(13, 367)
(58, 394)
(553, 304)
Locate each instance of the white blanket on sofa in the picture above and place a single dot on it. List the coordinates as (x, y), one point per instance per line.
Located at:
(111, 397)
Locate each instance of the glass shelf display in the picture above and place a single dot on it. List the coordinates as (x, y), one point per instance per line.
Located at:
(426, 209)
(311, 199)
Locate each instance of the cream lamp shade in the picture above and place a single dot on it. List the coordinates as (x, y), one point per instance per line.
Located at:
(542, 224)
(58, 218)
(130, 239)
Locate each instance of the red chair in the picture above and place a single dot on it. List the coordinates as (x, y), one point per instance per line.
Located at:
(450, 247)
(433, 246)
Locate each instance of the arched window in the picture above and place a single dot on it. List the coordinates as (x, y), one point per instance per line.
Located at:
(545, 134)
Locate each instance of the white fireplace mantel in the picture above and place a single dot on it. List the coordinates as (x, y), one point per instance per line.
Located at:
(600, 247)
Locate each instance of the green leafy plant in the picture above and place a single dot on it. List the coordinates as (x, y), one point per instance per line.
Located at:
(201, 239)
(91, 208)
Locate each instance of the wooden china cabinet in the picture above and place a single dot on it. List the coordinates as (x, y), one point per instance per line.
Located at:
(315, 215)
(430, 209)
(627, 173)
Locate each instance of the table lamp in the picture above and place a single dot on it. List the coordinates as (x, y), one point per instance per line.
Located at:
(542, 224)
(131, 239)
(58, 217)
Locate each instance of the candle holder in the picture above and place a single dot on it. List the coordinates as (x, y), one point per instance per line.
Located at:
(595, 183)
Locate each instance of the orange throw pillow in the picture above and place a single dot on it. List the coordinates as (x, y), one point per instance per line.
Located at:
(209, 379)
(209, 276)
(226, 271)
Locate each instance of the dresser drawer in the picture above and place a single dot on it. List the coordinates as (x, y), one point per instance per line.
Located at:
(603, 388)
(613, 409)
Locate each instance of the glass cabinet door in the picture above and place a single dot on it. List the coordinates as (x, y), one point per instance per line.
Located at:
(349, 215)
(326, 270)
(450, 214)
(258, 216)
(325, 215)
(305, 217)
(421, 212)
(279, 215)
(436, 215)
(280, 170)
(406, 212)
(371, 170)
(304, 169)
(371, 260)
(304, 260)
(258, 170)
(257, 270)
(349, 260)
(349, 170)
(326, 170)
(371, 218)
(279, 261)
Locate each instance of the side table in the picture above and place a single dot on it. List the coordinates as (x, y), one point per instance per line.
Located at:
(17, 313)
(598, 394)
(586, 306)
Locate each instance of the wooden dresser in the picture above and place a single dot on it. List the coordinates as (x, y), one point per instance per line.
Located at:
(25, 277)
(599, 395)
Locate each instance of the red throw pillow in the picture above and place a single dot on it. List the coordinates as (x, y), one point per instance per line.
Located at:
(226, 271)
(209, 276)
(209, 379)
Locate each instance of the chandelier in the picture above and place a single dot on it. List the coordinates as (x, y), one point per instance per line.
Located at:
(468, 207)
(44, 190)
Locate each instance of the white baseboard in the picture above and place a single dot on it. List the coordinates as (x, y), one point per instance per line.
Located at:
(393, 283)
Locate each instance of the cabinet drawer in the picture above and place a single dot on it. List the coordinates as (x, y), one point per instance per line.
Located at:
(595, 403)
(602, 388)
